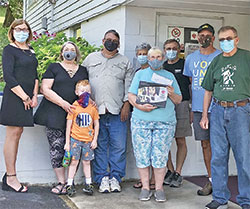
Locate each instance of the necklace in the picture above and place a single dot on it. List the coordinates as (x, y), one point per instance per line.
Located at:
(29, 53)
(70, 69)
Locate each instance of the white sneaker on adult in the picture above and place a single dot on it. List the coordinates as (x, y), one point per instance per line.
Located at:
(114, 185)
(104, 186)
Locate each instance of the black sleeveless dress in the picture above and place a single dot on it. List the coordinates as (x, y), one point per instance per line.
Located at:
(19, 68)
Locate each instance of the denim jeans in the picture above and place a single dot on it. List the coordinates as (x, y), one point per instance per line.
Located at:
(230, 127)
(110, 154)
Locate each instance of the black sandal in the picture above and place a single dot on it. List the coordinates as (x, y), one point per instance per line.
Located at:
(138, 185)
(59, 187)
(7, 187)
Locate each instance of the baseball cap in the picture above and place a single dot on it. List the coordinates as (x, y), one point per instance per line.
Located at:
(206, 26)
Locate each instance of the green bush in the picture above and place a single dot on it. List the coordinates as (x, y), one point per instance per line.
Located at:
(3, 42)
(47, 48)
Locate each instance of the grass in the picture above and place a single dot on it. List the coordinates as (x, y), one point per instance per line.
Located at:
(2, 84)
(2, 11)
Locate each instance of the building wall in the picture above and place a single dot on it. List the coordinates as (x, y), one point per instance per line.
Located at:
(93, 30)
(142, 25)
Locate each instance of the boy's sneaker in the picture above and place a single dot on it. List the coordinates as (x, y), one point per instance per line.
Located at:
(114, 185)
(168, 177)
(215, 205)
(206, 190)
(70, 190)
(104, 186)
(160, 196)
(145, 195)
(176, 180)
(88, 189)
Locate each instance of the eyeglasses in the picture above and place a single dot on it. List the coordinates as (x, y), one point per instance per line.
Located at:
(114, 41)
(229, 38)
(169, 48)
(21, 29)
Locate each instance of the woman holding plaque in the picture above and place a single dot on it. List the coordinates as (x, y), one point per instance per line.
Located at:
(153, 93)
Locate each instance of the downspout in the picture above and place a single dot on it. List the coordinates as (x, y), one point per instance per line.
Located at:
(52, 18)
(24, 9)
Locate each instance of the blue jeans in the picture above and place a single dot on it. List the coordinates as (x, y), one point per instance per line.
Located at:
(230, 127)
(110, 154)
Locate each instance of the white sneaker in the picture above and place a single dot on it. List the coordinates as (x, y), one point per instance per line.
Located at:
(104, 186)
(114, 185)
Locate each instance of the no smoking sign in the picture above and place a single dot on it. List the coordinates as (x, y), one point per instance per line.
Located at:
(175, 32)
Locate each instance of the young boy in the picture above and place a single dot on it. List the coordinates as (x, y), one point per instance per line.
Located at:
(81, 138)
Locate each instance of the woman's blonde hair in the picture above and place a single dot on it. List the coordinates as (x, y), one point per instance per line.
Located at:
(16, 23)
(78, 54)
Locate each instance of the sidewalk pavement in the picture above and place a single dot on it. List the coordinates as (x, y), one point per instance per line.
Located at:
(40, 197)
(177, 198)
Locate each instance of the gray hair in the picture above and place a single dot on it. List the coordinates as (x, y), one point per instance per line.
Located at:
(142, 46)
(226, 28)
(155, 49)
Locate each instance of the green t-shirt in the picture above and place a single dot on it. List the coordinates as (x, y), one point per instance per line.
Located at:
(229, 77)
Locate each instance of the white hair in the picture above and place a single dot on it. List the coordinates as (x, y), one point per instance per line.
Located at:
(155, 49)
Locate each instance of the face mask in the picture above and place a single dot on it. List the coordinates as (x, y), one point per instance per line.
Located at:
(110, 45)
(227, 46)
(171, 54)
(84, 99)
(205, 41)
(155, 64)
(21, 36)
(69, 55)
(142, 59)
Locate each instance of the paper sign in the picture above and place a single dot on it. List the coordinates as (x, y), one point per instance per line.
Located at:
(161, 80)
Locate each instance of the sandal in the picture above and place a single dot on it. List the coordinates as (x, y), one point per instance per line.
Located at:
(7, 187)
(60, 189)
(138, 185)
(152, 186)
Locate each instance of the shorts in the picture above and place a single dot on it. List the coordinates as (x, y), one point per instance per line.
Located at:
(151, 142)
(183, 126)
(80, 148)
(199, 133)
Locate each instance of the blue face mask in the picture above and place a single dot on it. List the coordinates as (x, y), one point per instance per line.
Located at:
(21, 36)
(171, 54)
(227, 46)
(142, 59)
(155, 64)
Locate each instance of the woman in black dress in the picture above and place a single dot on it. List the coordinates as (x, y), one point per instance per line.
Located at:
(19, 96)
(58, 88)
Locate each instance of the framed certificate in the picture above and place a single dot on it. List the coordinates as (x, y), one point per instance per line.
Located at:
(152, 93)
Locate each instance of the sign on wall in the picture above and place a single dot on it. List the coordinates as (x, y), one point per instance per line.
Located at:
(176, 32)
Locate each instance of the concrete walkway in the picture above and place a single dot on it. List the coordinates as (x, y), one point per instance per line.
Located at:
(177, 198)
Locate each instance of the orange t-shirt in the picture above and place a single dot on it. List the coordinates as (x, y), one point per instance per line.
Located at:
(83, 119)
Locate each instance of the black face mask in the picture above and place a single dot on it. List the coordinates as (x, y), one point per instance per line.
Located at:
(205, 41)
(110, 45)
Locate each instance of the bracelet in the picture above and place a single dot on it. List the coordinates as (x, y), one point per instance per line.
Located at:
(27, 99)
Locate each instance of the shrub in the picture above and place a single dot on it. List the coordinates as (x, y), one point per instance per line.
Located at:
(3, 42)
(47, 48)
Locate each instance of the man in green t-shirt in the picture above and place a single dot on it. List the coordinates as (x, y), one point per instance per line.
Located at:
(228, 81)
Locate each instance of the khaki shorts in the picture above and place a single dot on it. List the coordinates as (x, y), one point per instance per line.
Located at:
(183, 126)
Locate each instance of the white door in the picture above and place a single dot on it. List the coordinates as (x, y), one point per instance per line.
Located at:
(194, 164)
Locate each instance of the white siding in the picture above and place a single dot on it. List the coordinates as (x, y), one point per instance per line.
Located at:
(66, 13)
